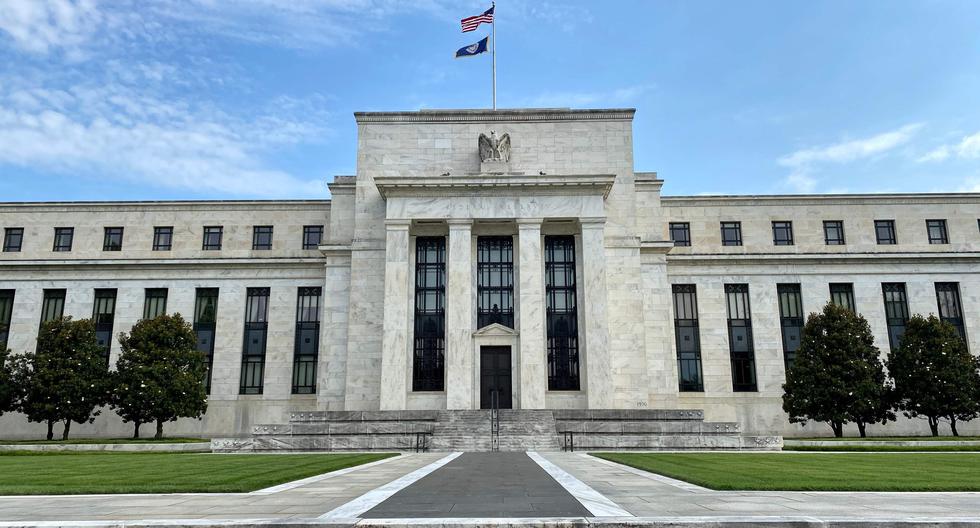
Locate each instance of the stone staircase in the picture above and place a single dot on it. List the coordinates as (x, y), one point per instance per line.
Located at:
(520, 430)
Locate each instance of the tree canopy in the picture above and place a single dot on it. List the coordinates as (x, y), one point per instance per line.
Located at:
(160, 374)
(837, 376)
(935, 375)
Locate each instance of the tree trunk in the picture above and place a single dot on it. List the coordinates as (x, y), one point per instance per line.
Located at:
(861, 429)
(934, 425)
(952, 425)
(159, 434)
(64, 435)
(50, 430)
(136, 430)
(838, 428)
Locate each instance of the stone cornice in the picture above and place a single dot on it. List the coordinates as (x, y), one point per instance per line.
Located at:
(493, 185)
(183, 205)
(820, 199)
(494, 116)
(179, 263)
(824, 258)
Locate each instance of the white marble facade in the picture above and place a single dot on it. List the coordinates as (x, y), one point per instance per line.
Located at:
(419, 174)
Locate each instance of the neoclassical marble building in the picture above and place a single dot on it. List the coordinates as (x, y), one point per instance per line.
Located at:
(545, 274)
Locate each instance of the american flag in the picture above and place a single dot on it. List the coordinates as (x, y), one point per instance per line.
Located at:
(471, 23)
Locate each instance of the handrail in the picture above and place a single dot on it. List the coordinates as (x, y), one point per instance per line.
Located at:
(494, 420)
(569, 443)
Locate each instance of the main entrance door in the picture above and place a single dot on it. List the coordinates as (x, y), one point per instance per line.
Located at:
(495, 376)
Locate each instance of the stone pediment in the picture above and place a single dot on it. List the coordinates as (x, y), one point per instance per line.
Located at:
(490, 184)
(495, 329)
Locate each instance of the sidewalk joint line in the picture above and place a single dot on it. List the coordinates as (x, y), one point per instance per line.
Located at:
(597, 504)
(323, 476)
(680, 484)
(365, 502)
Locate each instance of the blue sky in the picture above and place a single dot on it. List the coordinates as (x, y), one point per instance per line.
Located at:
(231, 99)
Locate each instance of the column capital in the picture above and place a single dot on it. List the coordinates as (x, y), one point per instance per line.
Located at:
(592, 222)
(459, 223)
(397, 224)
(528, 223)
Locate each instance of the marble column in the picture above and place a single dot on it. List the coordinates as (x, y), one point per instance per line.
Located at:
(394, 352)
(598, 367)
(459, 316)
(532, 362)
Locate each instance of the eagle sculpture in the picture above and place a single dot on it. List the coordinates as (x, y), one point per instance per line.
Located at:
(493, 148)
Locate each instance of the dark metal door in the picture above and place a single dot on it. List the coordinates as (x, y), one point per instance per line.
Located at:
(495, 376)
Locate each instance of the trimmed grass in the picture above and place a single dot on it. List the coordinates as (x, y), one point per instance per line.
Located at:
(885, 449)
(889, 438)
(75, 473)
(814, 471)
(79, 441)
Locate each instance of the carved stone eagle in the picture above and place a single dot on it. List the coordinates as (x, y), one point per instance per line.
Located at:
(494, 149)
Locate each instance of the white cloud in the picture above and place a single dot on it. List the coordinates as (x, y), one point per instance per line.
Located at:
(114, 131)
(617, 96)
(967, 148)
(852, 150)
(802, 163)
(40, 26)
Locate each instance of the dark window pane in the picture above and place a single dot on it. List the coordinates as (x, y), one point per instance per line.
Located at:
(53, 305)
(254, 346)
(262, 237)
(113, 239)
(428, 370)
(155, 304)
(885, 231)
(205, 319)
(896, 311)
(937, 232)
(688, 338)
(104, 314)
(6, 313)
(950, 306)
(562, 313)
(13, 239)
(790, 320)
(842, 294)
(312, 236)
(307, 343)
(495, 281)
(740, 338)
(833, 232)
(680, 233)
(782, 233)
(212, 238)
(163, 238)
(731, 233)
(63, 238)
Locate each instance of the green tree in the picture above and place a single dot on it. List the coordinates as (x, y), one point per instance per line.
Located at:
(65, 379)
(160, 374)
(837, 376)
(935, 375)
(9, 389)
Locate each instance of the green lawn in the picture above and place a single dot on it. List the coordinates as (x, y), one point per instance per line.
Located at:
(885, 449)
(57, 473)
(814, 471)
(70, 441)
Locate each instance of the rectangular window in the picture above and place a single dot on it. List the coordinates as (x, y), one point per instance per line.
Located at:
(495, 281)
(790, 320)
(307, 340)
(562, 312)
(155, 303)
(104, 314)
(13, 239)
(740, 338)
(312, 236)
(833, 232)
(896, 311)
(256, 333)
(885, 232)
(262, 237)
(731, 233)
(212, 238)
(842, 294)
(428, 368)
(62, 238)
(163, 238)
(53, 305)
(782, 233)
(205, 324)
(688, 338)
(937, 232)
(680, 233)
(950, 307)
(113, 239)
(6, 311)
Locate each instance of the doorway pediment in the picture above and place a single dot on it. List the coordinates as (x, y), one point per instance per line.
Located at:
(495, 329)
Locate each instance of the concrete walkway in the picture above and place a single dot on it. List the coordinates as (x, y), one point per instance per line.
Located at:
(541, 489)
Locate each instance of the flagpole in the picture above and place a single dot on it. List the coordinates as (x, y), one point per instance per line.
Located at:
(494, 53)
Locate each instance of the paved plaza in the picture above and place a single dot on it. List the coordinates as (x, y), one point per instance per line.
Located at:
(495, 488)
